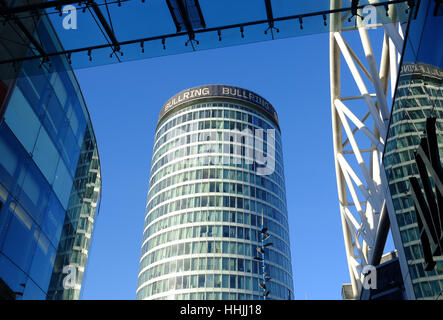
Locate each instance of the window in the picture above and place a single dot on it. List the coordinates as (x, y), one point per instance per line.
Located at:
(225, 281)
(225, 231)
(187, 264)
(225, 263)
(233, 282)
(248, 265)
(194, 264)
(201, 280)
(240, 217)
(202, 263)
(240, 233)
(193, 281)
(241, 266)
(225, 246)
(22, 120)
(21, 237)
(171, 283)
(232, 202)
(232, 264)
(209, 281)
(248, 282)
(232, 248)
(179, 283)
(232, 232)
(63, 183)
(240, 203)
(180, 265)
(203, 231)
(210, 265)
(240, 248)
(46, 156)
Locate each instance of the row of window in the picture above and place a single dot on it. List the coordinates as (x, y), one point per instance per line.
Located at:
(403, 142)
(413, 252)
(252, 156)
(414, 128)
(210, 281)
(399, 157)
(410, 234)
(226, 264)
(197, 202)
(414, 114)
(216, 231)
(415, 102)
(214, 247)
(220, 160)
(212, 110)
(208, 295)
(428, 289)
(215, 216)
(215, 194)
(431, 83)
(225, 187)
(400, 188)
(206, 156)
(215, 173)
(417, 270)
(426, 82)
(235, 138)
(406, 217)
(259, 140)
(402, 171)
(56, 106)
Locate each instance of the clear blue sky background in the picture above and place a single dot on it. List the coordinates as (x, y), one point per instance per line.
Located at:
(124, 101)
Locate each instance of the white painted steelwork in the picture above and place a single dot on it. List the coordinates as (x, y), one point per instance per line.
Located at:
(360, 125)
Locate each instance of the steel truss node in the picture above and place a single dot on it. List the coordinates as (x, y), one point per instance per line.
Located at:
(360, 126)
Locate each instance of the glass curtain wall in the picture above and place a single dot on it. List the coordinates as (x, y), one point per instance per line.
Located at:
(48, 165)
(202, 226)
(419, 95)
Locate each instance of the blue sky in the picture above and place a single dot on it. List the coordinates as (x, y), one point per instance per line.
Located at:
(124, 101)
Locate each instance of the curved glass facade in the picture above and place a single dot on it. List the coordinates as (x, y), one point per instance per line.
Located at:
(49, 183)
(418, 96)
(217, 166)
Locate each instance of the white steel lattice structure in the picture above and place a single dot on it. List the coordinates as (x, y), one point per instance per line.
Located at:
(360, 124)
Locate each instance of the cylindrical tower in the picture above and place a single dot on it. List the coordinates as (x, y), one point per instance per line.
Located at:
(217, 169)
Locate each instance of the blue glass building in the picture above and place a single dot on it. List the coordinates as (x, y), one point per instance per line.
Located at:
(418, 96)
(49, 180)
(209, 187)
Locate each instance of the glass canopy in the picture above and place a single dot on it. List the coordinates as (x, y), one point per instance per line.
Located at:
(96, 32)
